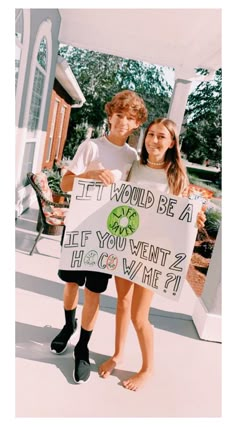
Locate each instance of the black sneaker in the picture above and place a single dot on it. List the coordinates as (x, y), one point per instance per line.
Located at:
(82, 370)
(61, 341)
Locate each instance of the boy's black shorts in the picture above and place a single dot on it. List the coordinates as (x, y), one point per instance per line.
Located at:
(93, 280)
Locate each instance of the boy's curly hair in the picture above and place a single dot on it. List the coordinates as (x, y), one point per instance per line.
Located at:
(127, 101)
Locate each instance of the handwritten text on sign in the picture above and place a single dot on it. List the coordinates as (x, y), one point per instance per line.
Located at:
(132, 232)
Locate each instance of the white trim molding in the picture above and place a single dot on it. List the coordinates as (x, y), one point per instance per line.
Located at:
(23, 62)
(207, 311)
(67, 79)
(208, 325)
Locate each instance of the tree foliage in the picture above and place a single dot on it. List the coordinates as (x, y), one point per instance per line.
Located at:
(202, 136)
(101, 76)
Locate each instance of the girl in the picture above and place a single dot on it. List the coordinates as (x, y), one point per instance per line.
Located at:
(161, 166)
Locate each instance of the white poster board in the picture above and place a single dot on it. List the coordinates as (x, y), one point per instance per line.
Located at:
(132, 232)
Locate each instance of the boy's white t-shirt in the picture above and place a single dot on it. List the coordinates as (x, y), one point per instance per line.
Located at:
(100, 153)
(155, 178)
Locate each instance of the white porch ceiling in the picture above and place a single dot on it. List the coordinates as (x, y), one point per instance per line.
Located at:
(180, 38)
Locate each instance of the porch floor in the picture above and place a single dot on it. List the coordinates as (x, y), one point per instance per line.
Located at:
(187, 379)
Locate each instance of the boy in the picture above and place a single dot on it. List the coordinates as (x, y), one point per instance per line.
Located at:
(107, 159)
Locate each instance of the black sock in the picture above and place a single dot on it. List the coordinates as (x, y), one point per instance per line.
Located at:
(70, 318)
(81, 348)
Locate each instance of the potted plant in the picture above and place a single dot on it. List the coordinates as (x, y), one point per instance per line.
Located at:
(54, 180)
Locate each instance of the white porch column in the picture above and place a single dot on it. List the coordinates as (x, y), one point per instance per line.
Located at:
(184, 77)
(140, 140)
(179, 100)
(207, 312)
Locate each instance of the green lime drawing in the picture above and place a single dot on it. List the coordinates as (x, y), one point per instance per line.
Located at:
(123, 221)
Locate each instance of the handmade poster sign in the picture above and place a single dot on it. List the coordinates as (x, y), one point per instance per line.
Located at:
(133, 232)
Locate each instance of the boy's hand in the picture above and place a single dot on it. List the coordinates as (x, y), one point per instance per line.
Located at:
(104, 175)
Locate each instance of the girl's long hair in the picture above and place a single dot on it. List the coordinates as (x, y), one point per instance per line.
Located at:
(175, 170)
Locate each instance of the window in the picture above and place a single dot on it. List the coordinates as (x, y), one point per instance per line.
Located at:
(36, 95)
(35, 108)
(37, 92)
(38, 86)
(42, 54)
(35, 105)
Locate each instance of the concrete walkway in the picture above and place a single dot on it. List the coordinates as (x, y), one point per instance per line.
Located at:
(187, 379)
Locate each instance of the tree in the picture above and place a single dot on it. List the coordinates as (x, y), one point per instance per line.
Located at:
(101, 76)
(202, 137)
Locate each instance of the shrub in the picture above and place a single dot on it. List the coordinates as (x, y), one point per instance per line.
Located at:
(213, 220)
(205, 249)
(203, 175)
(77, 135)
(196, 157)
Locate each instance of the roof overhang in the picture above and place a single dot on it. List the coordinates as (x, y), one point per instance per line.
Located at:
(180, 38)
(68, 81)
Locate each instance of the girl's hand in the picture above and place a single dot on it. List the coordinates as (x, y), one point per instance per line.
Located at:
(201, 218)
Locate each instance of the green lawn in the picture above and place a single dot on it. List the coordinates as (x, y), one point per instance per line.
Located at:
(206, 179)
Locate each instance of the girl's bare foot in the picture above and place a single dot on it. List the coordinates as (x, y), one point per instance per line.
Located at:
(106, 368)
(136, 381)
